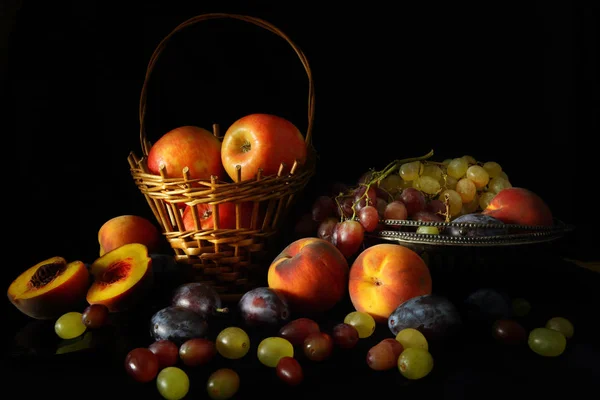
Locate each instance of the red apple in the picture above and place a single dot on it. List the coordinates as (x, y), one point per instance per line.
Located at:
(226, 216)
(261, 141)
(187, 146)
(311, 273)
(519, 206)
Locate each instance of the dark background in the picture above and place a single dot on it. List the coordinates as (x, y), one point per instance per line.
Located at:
(514, 83)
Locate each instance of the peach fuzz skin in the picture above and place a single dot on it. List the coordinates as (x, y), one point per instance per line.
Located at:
(519, 206)
(126, 229)
(384, 276)
(187, 146)
(65, 291)
(261, 141)
(311, 273)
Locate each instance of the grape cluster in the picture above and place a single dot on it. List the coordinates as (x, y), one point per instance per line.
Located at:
(411, 189)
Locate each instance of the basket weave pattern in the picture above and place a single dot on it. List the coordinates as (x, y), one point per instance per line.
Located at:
(228, 259)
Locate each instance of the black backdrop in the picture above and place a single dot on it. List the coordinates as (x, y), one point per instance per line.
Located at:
(513, 83)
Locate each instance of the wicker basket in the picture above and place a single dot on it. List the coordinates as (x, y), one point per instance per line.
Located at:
(231, 260)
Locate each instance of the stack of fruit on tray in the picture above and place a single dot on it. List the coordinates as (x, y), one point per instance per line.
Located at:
(385, 290)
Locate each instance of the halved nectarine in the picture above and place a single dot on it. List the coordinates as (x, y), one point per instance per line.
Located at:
(122, 277)
(50, 288)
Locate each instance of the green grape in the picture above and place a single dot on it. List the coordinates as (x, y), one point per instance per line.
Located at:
(561, 325)
(363, 322)
(471, 206)
(485, 199)
(521, 307)
(233, 343)
(466, 189)
(223, 384)
(415, 363)
(411, 171)
(172, 383)
(493, 168)
(454, 200)
(446, 162)
(433, 171)
(547, 342)
(498, 183)
(411, 337)
(272, 349)
(478, 175)
(427, 184)
(469, 159)
(457, 168)
(69, 325)
(428, 230)
(449, 182)
(391, 183)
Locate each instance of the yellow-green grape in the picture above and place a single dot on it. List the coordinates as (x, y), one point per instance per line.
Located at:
(498, 183)
(405, 184)
(561, 325)
(69, 325)
(449, 182)
(427, 184)
(547, 342)
(272, 349)
(391, 183)
(466, 189)
(457, 168)
(233, 343)
(428, 230)
(223, 384)
(521, 307)
(503, 175)
(411, 171)
(446, 162)
(485, 199)
(433, 171)
(362, 322)
(469, 159)
(493, 168)
(172, 383)
(472, 206)
(411, 337)
(415, 363)
(478, 175)
(454, 201)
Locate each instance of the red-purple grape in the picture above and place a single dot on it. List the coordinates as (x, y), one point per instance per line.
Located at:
(318, 346)
(344, 336)
(197, 351)
(289, 370)
(364, 196)
(368, 218)
(395, 210)
(323, 207)
(345, 207)
(95, 316)
(348, 236)
(509, 331)
(297, 330)
(380, 204)
(436, 206)
(384, 355)
(326, 228)
(413, 199)
(141, 364)
(166, 352)
(427, 216)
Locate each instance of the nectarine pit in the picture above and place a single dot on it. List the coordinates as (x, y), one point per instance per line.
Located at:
(46, 274)
(116, 272)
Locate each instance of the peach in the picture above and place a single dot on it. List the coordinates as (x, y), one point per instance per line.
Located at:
(187, 146)
(311, 273)
(122, 277)
(50, 288)
(519, 206)
(384, 276)
(125, 229)
(261, 141)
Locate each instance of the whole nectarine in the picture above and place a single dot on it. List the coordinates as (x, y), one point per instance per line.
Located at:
(227, 216)
(311, 273)
(385, 275)
(50, 288)
(125, 229)
(519, 206)
(261, 141)
(187, 146)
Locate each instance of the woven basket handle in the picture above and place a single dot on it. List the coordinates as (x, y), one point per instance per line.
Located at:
(203, 17)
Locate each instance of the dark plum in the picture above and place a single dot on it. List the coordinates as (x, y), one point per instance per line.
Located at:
(488, 305)
(177, 325)
(475, 218)
(264, 306)
(200, 298)
(433, 315)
